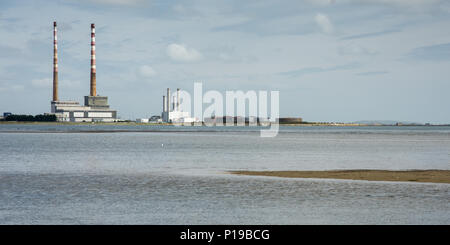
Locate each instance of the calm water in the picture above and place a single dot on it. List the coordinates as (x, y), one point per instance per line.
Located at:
(177, 175)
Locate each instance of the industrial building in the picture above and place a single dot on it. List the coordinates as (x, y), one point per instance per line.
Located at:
(174, 114)
(142, 120)
(95, 109)
(155, 119)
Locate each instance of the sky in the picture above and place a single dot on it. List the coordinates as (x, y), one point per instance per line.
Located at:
(331, 60)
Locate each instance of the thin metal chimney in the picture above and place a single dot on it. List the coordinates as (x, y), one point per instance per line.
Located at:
(178, 99)
(164, 103)
(55, 63)
(93, 68)
(174, 103)
(168, 100)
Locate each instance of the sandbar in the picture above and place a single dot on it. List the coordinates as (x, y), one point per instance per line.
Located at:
(431, 176)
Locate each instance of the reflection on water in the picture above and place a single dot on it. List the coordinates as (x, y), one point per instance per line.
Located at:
(177, 177)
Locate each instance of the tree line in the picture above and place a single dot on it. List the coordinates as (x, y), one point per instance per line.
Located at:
(31, 118)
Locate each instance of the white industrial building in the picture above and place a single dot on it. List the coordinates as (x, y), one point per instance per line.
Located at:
(142, 120)
(174, 114)
(72, 111)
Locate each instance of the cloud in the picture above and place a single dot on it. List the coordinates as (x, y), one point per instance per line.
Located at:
(311, 70)
(439, 52)
(146, 71)
(262, 25)
(270, 27)
(324, 23)
(179, 52)
(370, 34)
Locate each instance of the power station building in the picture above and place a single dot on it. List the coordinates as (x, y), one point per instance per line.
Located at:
(95, 109)
(174, 115)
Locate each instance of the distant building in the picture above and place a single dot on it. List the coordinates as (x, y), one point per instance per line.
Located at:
(5, 114)
(155, 119)
(174, 114)
(142, 120)
(72, 111)
(95, 109)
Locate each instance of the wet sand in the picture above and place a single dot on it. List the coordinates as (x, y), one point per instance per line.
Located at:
(431, 176)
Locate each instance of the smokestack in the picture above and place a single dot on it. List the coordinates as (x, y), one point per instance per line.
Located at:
(164, 103)
(173, 103)
(178, 99)
(93, 68)
(55, 64)
(168, 100)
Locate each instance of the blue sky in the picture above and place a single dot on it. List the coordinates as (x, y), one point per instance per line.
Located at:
(331, 60)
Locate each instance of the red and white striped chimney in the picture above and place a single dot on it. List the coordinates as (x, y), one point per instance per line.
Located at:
(93, 68)
(55, 64)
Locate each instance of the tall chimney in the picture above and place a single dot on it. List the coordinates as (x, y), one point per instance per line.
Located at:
(168, 100)
(55, 64)
(173, 103)
(164, 103)
(178, 99)
(93, 68)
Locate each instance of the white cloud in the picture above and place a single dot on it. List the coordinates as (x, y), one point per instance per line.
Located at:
(146, 71)
(324, 23)
(179, 52)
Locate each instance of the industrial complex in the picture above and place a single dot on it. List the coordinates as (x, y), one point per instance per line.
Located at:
(172, 112)
(95, 109)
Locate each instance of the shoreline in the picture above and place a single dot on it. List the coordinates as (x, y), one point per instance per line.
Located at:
(310, 124)
(423, 176)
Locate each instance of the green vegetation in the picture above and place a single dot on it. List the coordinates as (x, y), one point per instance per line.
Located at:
(31, 118)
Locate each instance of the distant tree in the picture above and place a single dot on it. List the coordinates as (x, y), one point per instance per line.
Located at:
(30, 118)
